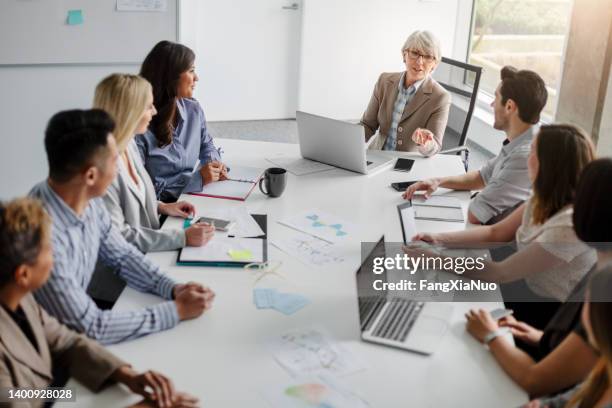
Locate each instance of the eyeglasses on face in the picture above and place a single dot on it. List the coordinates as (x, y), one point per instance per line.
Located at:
(414, 55)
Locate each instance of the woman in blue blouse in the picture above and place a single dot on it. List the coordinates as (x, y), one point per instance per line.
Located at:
(177, 149)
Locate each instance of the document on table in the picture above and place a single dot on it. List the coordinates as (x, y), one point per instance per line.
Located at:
(300, 166)
(321, 224)
(438, 208)
(322, 391)
(224, 249)
(142, 5)
(312, 352)
(437, 201)
(310, 250)
(244, 174)
(245, 225)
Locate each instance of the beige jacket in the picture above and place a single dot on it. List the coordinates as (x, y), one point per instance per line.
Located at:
(428, 109)
(22, 366)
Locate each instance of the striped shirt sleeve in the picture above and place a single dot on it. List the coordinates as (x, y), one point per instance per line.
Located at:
(64, 297)
(138, 272)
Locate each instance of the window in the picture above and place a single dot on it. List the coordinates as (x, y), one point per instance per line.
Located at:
(527, 34)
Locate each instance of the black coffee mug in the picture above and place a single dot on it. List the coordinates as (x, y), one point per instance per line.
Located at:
(275, 179)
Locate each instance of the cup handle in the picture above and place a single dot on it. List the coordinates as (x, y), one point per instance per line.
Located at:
(260, 186)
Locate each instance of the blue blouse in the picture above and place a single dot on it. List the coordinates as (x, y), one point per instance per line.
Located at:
(171, 167)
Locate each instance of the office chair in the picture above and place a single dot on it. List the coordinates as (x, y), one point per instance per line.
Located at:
(462, 81)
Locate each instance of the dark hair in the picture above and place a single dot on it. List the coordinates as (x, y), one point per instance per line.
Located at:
(593, 204)
(72, 140)
(600, 309)
(163, 67)
(528, 91)
(24, 226)
(562, 151)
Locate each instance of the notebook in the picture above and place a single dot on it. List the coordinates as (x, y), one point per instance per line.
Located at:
(225, 251)
(242, 180)
(228, 251)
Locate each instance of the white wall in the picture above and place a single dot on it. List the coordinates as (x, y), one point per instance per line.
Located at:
(247, 58)
(31, 95)
(346, 44)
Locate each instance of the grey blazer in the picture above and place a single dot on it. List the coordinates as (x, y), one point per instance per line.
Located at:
(138, 221)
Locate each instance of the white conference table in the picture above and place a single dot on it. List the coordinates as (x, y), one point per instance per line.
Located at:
(223, 356)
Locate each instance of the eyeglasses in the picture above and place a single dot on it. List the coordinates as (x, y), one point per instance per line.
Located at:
(263, 269)
(414, 55)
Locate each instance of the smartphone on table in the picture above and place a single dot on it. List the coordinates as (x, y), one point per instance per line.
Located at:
(219, 224)
(402, 185)
(403, 165)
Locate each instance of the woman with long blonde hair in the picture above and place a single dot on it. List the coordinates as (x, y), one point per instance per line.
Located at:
(131, 198)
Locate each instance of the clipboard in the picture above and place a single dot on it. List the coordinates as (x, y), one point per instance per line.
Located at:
(257, 246)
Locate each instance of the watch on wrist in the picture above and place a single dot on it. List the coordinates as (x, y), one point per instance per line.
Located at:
(494, 334)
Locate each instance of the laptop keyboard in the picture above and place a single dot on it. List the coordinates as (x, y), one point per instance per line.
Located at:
(398, 319)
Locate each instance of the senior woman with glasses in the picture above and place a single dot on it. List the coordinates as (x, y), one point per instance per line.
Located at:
(410, 109)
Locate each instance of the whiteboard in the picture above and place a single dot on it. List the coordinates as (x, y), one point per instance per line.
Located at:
(36, 32)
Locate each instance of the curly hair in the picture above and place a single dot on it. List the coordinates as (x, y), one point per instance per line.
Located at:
(24, 227)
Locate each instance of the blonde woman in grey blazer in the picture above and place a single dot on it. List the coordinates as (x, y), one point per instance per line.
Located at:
(131, 199)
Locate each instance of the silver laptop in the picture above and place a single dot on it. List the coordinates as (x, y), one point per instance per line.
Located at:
(338, 143)
(397, 321)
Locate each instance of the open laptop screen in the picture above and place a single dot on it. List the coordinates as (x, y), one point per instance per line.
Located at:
(370, 300)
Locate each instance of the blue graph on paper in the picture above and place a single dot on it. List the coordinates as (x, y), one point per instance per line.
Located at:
(338, 230)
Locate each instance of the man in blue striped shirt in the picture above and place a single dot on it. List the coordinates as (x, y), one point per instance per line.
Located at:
(82, 157)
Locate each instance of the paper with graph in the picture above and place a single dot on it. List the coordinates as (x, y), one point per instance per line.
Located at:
(308, 249)
(311, 351)
(322, 225)
(314, 392)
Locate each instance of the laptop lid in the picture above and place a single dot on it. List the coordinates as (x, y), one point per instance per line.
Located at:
(331, 141)
(368, 298)
(406, 216)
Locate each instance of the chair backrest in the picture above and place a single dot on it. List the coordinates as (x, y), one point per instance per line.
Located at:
(462, 81)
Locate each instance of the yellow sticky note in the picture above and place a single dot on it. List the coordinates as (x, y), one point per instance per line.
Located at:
(240, 254)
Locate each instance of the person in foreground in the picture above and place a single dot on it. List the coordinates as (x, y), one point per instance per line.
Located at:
(519, 100)
(34, 345)
(567, 355)
(131, 199)
(177, 149)
(82, 156)
(596, 390)
(410, 109)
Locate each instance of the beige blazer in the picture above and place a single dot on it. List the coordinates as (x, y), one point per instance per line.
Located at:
(428, 109)
(22, 366)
